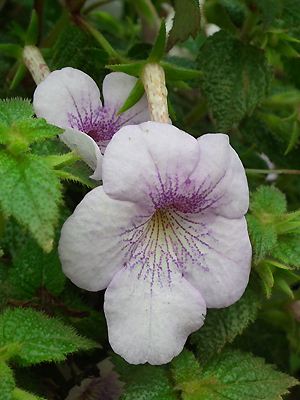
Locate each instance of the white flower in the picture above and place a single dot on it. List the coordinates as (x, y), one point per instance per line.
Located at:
(166, 235)
(70, 99)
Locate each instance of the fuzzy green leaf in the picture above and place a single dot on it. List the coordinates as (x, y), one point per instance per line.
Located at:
(7, 381)
(30, 192)
(263, 237)
(40, 338)
(222, 326)
(33, 269)
(186, 21)
(288, 250)
(14, 110)
(268, 199)
(144, 381)
(235, 78)
(231, 376)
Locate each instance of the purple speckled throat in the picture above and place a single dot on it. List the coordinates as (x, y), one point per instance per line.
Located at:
(173, 234)
(100, 123)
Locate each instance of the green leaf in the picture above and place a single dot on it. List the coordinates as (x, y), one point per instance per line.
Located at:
(30, 192)
(144, 381)
(222, 326)
(7, 381)
(33, 269)
(32, 33)
(176, 72)
(263, 237)
(288, 250)
(265, 272)
(11, 50)
(12, 110)
(40, 338)
(158, 49)
(231, 376)
(134, 68)
(19, 394)
(186, 21)
(268, 199)
(78, 172)
(134, 96)
(235, 78)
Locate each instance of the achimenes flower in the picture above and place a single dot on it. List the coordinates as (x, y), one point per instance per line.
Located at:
(166, 234)
(70, 99)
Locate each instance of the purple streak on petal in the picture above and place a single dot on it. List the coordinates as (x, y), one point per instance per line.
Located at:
(172, 235)
(100, 123)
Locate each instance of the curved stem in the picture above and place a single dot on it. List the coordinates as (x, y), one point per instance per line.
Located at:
(35, 63)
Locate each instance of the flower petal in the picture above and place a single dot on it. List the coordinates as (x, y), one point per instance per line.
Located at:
(150, 323)
(224, 176)
(116, 89)
(65, 93)
(223, 269)
(87, 148)
(90, 246)
(142, 158)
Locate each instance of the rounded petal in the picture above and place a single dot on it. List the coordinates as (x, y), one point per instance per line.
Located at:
(223, 176)
(65, 94)
(142, 158)
(223, 269)
(150, 323)
(87, 148)
(116, 89)
(90, 246)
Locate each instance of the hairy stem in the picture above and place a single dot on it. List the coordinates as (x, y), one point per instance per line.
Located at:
(153, 78)
(35, 63)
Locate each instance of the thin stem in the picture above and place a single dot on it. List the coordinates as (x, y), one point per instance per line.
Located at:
(252, 171)
(100, 39)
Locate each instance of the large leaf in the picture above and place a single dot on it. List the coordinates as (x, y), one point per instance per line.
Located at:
(222, 326)
(38, 337)
(144, 382)
(231, 376)
(30, 192)
(33, 270)
(235, 78)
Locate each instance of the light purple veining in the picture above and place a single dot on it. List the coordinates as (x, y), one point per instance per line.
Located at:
(100, 123)
(173, 235)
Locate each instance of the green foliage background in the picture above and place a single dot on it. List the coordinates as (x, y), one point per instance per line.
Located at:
(243, 80)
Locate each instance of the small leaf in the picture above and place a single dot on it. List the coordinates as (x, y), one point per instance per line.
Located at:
(31, 193)
(134, 96)
(175, 72)
(263, 237)
(288, 250)
(41, 338)
(294, 137)
(186, 21)
(158, 49)
(7, 381)
(230, 376)
(133, 69)
(266, 274)
(268, 199)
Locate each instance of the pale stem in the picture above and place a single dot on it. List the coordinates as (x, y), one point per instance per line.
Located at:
(153, 78)
(35, 63)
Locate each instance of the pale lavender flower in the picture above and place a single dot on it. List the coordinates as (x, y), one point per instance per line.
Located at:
(70, 99)
(166, 234)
